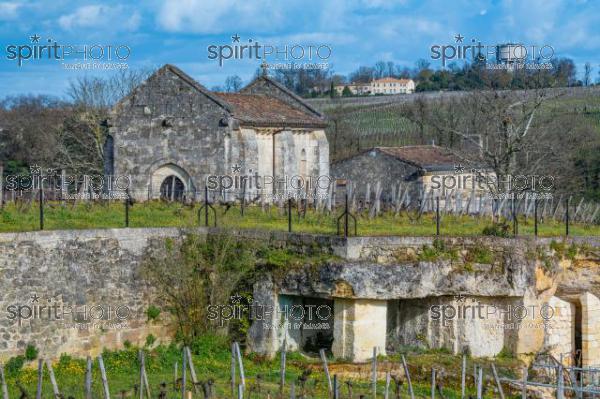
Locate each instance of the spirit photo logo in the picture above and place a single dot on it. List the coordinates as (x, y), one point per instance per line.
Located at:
(39, 48)
(94, 186)
(239, 181)
(251, 49)
(53, 309)
(305, 316)
(463, 310)
(484, 181)
(534, 56)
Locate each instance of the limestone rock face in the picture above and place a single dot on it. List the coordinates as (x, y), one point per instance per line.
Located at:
(373, 281)
(397, 284)
(579, 275)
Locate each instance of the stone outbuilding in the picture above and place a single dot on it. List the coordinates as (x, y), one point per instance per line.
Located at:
(171, 134)
(422, 167)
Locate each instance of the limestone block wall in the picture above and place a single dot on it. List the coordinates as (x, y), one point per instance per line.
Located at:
(370, 167)
(481, 326)
(359, 326)
(559, 337)
(76, 291)
(590, 329)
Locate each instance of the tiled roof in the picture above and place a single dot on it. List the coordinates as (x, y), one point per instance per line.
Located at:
(428, 157)
(262, 110)
(391, 80)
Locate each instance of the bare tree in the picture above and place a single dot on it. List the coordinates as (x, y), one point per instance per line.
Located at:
(587, 74)
(233, 84)
(195, 274)
(500, 126)
(30, 129)
(380, 69)
(83, 136)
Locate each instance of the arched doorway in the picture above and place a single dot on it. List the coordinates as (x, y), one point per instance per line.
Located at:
(170, 182)
(172, 188)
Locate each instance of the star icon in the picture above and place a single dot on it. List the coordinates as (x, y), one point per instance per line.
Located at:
(235, 299)
(35, 169)
(459, 38)
(236, 168)
(235, 38)
(35, 38)
(460, 297)
(459, 169)
(35, 298)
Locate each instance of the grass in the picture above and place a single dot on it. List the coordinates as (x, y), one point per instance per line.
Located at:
(211, 358)
(163, 214)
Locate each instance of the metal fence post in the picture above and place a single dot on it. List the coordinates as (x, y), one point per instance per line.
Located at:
(184, 361)
(567, 217)
(206, 206)
(289, 215)
(514, 212)
(437, 215)
(535, 217)
(127, 207)
(42, 208)
(335, 387)
(242, 202)
(524, 383)
(560, 388)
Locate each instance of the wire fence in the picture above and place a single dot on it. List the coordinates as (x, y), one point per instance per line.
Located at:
(385, 377)
(346, 210)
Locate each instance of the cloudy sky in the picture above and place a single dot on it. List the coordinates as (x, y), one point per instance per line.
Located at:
(359, 32)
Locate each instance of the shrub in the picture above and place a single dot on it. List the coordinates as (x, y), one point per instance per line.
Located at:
(150, 340)
(497, 229)
(14, 365)
(31, 352)
(505, 353)
(481, 255)
(152, 312)
(198, 272)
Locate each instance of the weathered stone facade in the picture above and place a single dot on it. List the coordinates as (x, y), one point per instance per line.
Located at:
(171, 133)
(375, 292)
(386, 295)
(92, 277)
(423, 168)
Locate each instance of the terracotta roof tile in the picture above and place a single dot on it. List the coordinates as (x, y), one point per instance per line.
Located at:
(262, 110)
(424, 156)
(391, 80)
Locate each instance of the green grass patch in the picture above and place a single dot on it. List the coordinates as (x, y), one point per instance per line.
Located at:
(164, 214)
(212, 361)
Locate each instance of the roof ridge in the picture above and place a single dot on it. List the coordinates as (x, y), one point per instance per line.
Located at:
(288, 92)
(195, 84)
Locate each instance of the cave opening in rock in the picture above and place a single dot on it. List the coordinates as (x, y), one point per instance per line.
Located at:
(309, 322)
(407, 321)
(578, 340)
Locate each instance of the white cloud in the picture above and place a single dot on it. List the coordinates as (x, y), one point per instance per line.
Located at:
(9, 11)
(200, 16)
(96, 16)
(382, 3)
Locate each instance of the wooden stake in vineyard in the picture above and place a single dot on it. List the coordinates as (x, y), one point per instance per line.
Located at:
(324, 360)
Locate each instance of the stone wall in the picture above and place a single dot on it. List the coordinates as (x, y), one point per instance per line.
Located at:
(92, 279)
(560, 332)
(94, 274)
(512, 280)
(371, 167)
(365, 280)
(168, 122)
